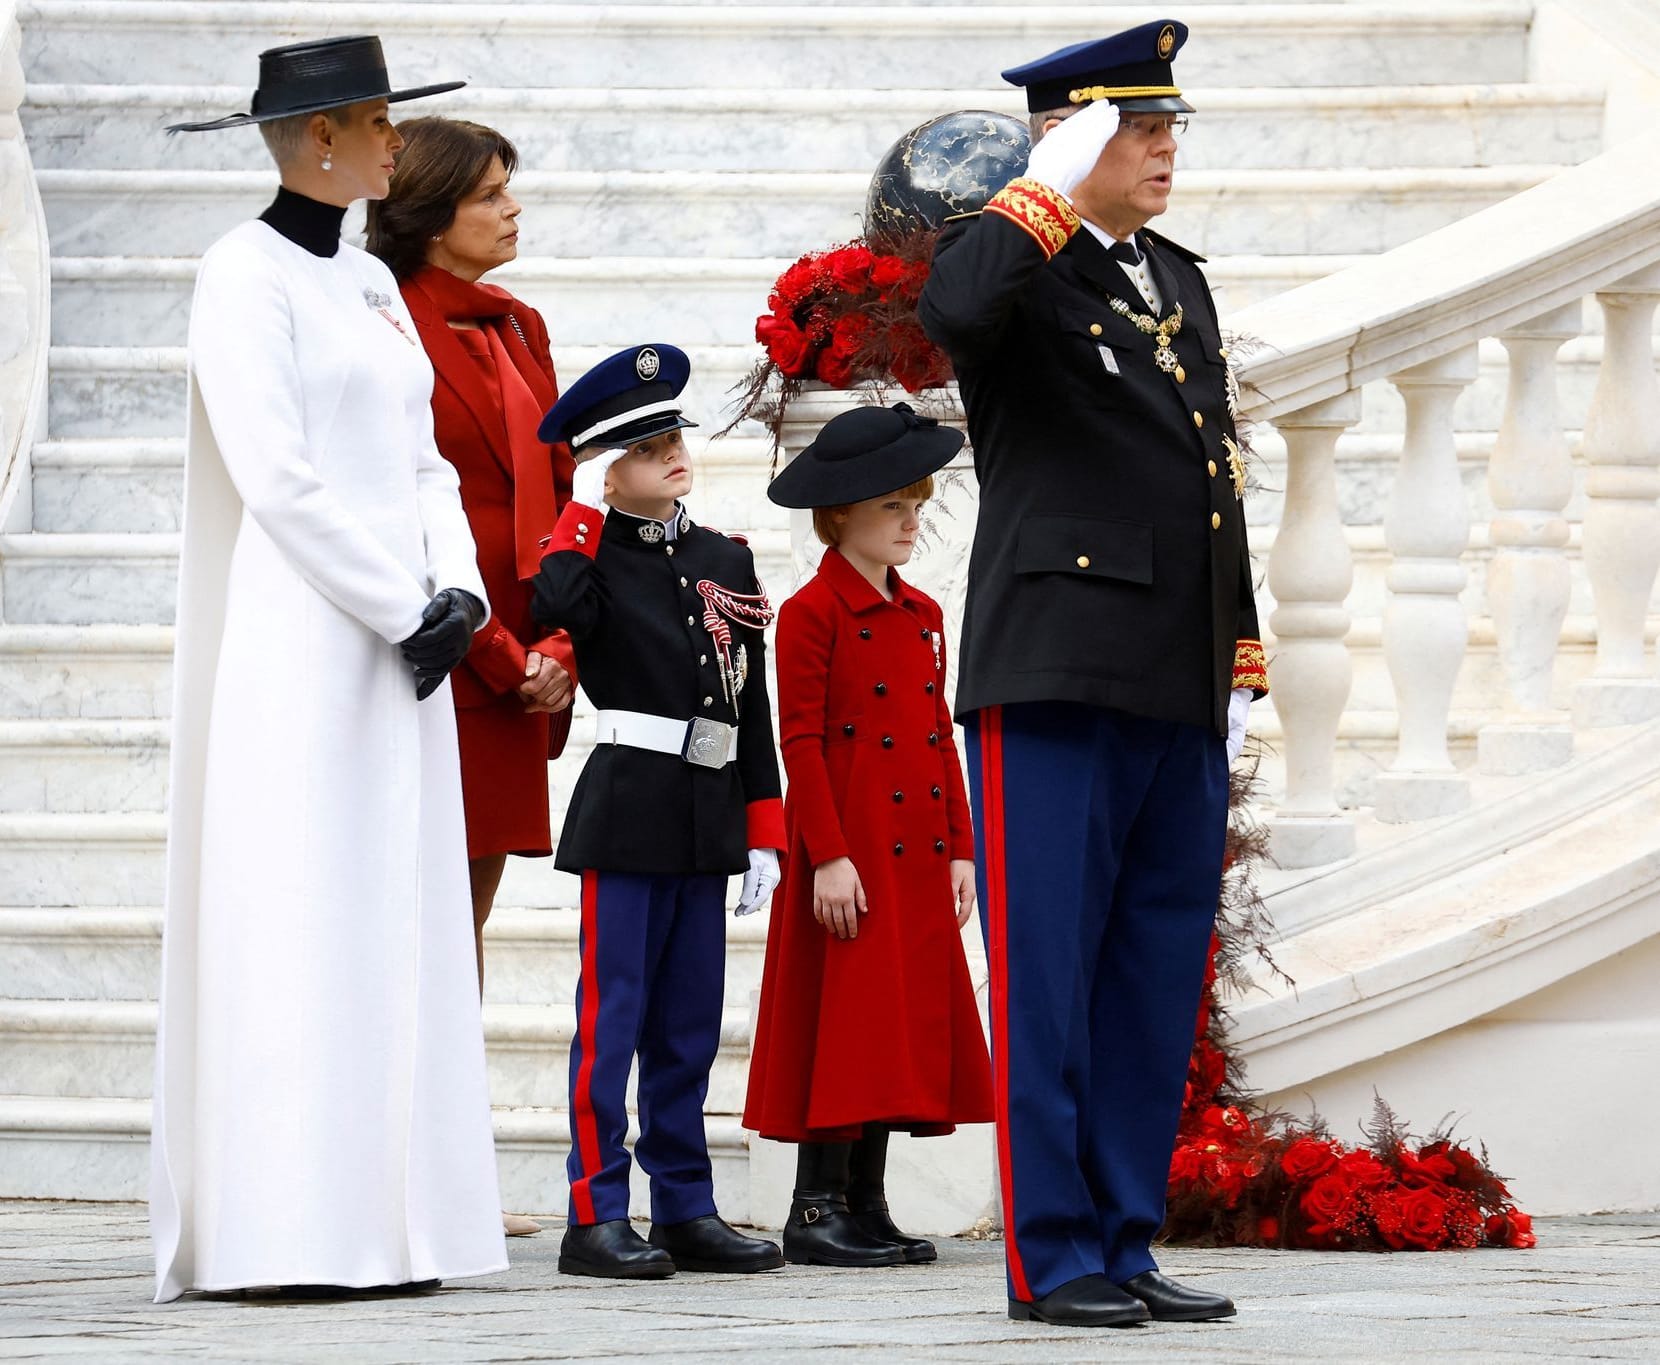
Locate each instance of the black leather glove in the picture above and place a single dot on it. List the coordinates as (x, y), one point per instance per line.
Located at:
(446, 634)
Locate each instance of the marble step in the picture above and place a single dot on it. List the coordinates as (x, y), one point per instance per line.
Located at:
(770, 47)
(531, 956)
(85, 672)
(82, 766)
(701, 130)
(112, 578)
(137, 484)
(103, 392)
(782, 213)
(91, 1049)
(98, 1149)
(600, 301)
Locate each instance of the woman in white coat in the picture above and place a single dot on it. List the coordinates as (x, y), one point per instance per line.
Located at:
(321, 1114)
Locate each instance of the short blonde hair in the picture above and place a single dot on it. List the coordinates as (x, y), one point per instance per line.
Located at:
(285, 138)
(824, 518)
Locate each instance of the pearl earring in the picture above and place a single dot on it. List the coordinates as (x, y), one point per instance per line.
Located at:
(328, 165)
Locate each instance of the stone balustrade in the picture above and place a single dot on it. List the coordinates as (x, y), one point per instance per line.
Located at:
(1520, 272)
(23, 279)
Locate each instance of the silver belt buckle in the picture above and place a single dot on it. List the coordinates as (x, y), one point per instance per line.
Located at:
(708, 742)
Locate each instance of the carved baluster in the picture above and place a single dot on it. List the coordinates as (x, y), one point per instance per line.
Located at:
(1531, 476)
(1622, 522)
(1427, 529)
(1310, 572)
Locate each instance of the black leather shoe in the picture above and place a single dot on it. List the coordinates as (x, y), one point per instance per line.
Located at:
(876, 1221)
(612, 1251)
(1088, 1301)
(711, 1244)
(1172, 1302)
(821, 1231)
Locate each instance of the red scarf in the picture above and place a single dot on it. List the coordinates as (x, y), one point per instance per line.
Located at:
(525, 394)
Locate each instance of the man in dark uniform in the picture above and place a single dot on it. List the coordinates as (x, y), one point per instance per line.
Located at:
(680, 792)
(1109, 655)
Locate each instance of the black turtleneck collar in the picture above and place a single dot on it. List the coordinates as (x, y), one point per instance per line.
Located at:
(305, 222)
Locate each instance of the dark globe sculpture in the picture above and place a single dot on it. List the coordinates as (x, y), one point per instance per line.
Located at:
(949, 165)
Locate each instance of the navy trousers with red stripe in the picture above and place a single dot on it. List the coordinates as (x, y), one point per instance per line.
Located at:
(653, 979)
(1100, 840)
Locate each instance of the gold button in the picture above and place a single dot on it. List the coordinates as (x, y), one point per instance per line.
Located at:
(1198, 419)
(1083, 561)
(1095, 329)
(1181, 375)
(1212, 468)
(1223, 352)
(1215, 521)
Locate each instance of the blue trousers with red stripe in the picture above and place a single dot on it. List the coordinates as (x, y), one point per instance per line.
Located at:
(652, 984)
(1100, 839)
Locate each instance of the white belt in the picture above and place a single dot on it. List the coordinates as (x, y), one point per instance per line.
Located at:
(707, 743)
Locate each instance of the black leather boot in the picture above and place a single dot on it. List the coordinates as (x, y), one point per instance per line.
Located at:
(711, 1244)
(867, 1196)
(820, 1230)
(612, 1251)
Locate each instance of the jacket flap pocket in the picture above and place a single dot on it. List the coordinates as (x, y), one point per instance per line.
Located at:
(1090, 547)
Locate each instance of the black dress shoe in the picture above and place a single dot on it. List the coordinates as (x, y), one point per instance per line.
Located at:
(1172, 1302)
(1088, 1301)
(876, 1221)
(710, 1244)
(612, 1251)
(821, 1231)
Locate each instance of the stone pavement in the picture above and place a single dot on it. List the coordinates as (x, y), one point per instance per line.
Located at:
(75, 1283)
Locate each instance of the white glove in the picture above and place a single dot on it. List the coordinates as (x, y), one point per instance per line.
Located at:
(759, 881)
(1239, 706)
(588, 483)
(1064, 156)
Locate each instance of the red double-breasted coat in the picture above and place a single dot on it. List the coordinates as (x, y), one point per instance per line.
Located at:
(504, 749)
(882, 1027)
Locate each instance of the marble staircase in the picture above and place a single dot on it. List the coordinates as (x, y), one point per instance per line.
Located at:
(676, 156)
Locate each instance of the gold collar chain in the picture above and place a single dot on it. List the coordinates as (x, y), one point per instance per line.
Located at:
(1160, 329)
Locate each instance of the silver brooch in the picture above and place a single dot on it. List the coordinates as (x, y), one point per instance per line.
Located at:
(651, 532)
(685, 524)
(377, 300)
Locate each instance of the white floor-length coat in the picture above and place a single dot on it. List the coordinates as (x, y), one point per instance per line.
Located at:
(321, 1111)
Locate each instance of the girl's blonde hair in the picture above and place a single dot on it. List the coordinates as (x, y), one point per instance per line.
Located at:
(824, 518)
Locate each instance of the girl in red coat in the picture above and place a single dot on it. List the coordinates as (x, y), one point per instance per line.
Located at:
(867, 1019)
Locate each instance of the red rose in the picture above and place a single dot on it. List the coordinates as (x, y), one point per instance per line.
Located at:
(886, 274)
(1268, 1231)
(847, 337)
(1362, 1170)
(1426, 1168)
(1383, 1205)
(1227, 1178)
(794, 285)
(787, 345)
(1423, 1218)
(1329, 1203)
(1185, 1164)
(1307, 1158)
(1512, 1228)
(850, 269)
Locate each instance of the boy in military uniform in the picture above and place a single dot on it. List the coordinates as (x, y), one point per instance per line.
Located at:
(1109, 654)
(680, 792)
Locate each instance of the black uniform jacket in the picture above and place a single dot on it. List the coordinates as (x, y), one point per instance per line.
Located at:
(636, 619)
(1110, 563)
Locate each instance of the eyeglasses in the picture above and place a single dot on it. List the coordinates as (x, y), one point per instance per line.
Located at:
(1151, 125)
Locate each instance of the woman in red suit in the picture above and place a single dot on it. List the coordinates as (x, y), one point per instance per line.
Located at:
(867, 1019)
(447, 221)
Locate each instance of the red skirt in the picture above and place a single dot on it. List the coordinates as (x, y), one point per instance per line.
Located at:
(504, 779)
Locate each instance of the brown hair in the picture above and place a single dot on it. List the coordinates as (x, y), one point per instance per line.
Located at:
(441, 161)
(824, 523)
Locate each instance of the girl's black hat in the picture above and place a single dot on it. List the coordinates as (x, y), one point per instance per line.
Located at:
(864, 453)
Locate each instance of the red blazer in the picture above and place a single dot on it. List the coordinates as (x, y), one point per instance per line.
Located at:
(882, 1027)
(471, 433)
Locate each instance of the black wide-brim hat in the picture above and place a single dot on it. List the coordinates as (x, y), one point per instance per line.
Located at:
(307, 78)
(864, 453)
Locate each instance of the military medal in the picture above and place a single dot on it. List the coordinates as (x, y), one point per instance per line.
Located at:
(382, 304)
(745, 609)
(1160, 329)
(1236, 466)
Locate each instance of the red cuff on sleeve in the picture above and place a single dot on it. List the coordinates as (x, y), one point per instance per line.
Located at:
(497, 658)
(578, 529)
(1040, 212)
(765, 822)
(1250, 667)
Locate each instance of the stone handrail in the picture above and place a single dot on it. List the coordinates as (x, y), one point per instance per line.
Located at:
(24, 280)
(1518, 271)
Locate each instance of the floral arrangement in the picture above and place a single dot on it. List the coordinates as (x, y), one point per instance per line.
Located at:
(845, 316)
(1243, 1177)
